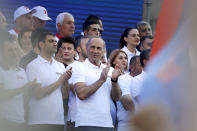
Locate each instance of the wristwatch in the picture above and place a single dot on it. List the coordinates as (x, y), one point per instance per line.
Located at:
(115, 81)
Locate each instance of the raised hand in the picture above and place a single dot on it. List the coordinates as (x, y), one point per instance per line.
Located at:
(117, 72)
(68, 74)
(104, 73)
(65, 76)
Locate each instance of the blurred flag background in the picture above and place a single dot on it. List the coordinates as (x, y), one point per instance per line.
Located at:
(172, 74)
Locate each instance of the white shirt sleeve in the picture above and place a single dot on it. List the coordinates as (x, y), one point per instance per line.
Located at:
(123, 83)
(78, 75)
(134, 92)
(31, 72)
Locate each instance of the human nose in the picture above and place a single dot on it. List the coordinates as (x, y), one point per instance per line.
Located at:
(54, 42)
(65, 50)
(73, 25)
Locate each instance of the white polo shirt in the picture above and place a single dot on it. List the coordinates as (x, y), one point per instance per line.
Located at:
(12, 109)
(94, 110)
(72, 97)
(130, 54)
(129, 86)
(140, 78)
(49, 109)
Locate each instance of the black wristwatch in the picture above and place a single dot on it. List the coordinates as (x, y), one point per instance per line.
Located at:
(115, 81)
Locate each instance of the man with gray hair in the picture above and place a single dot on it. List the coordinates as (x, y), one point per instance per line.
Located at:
(95, 84)
(144, 29)
(65, 25)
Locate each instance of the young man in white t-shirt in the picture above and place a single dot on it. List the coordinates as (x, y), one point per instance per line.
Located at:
(46, 105)
(81, 50)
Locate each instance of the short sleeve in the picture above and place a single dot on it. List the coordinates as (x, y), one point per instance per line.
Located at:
(31, 72)
(123, 83)
(78, 75)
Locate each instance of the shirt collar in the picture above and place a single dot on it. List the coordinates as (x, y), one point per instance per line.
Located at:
(126, 50)
(89, 64)
(58, 36)
(41, 59)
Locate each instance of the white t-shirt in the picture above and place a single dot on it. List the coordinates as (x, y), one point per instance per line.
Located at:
(12, 109)
(49, 109)
(140, 79)
(94, 110)
(130, 54)
(72, 97)
(129, 86)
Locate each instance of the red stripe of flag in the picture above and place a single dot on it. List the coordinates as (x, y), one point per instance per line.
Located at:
(167, 23)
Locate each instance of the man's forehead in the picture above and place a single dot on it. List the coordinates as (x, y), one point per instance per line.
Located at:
(67, 44)
(96, 41)
(94, 26)
(50, 37)
(145, 26)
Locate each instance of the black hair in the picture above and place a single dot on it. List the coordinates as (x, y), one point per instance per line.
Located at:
(133, 61)
(66, 40)
(87, 24)
(144, 55)
(43, 35)
(142, 40)
(79, 38)
(36, 34)
(124, 34)
(92, 18)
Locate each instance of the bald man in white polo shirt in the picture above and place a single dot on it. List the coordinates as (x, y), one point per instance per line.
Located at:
(94, 89)
(46, 106)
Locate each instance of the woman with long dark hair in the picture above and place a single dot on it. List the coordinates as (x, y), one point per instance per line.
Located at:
(128, 42)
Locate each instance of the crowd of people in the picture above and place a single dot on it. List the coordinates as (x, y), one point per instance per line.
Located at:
(55, 82)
